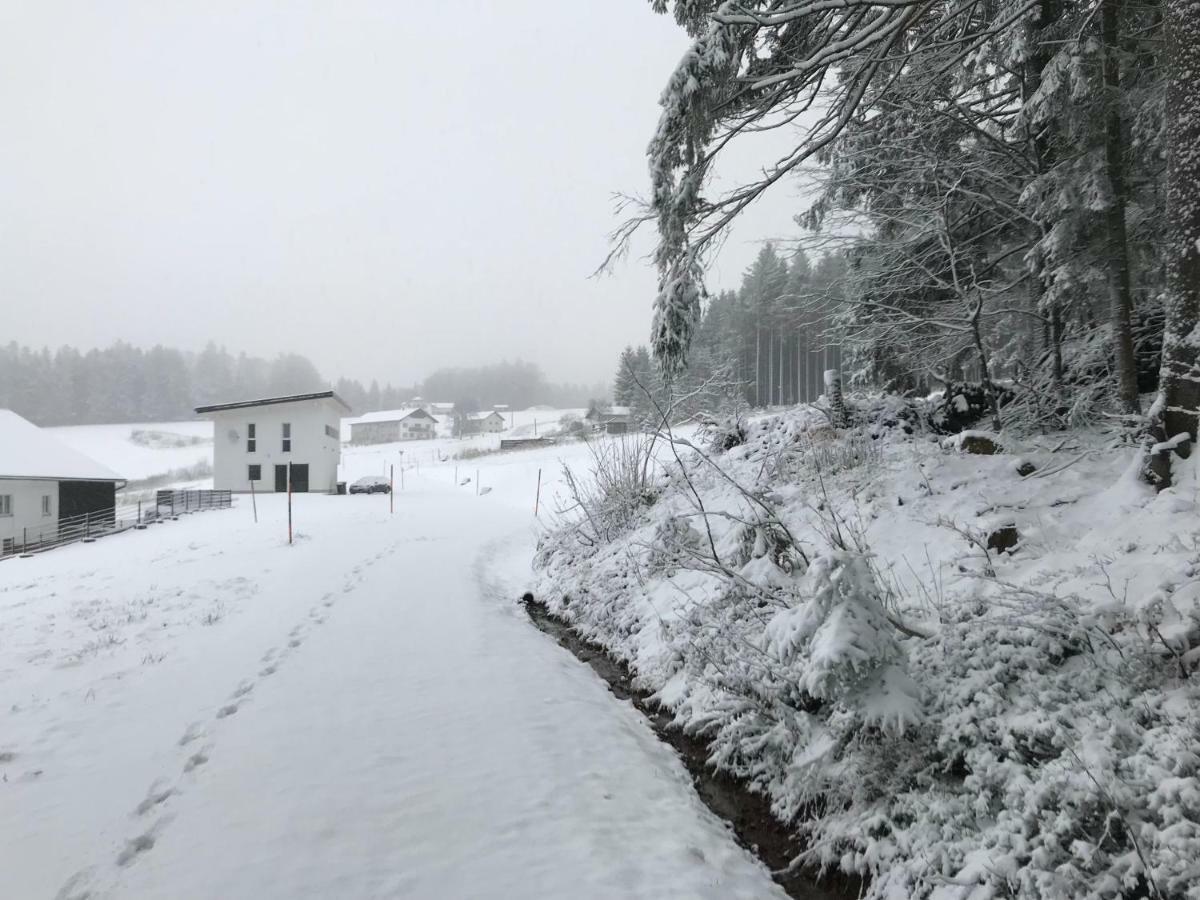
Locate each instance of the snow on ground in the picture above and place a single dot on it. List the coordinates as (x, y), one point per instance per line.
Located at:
(201, 710)
(149, 450)
(142, 450)
(964, 714)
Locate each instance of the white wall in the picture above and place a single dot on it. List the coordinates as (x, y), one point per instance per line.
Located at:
(310, 444)
(374, 432)
(417, 429)
(27, 509)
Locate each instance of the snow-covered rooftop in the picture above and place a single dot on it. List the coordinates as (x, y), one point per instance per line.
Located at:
(381, 415)
(270, 401)
(27, 451)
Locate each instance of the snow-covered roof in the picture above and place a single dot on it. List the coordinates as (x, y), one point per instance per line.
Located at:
(610, 412)
(270, 401)
(481, 416)
(382, 415)
(27, 451)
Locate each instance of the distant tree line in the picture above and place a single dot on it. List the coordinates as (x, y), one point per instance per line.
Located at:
(767, 343)
(123, 383)
(516, 384)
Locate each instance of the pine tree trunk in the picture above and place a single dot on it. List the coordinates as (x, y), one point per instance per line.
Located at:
(779, 373)
(757, 366)
(770, 367)
(1179, 378)
(1116, 236)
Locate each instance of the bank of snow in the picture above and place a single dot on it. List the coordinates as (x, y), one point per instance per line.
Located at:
(950, 718)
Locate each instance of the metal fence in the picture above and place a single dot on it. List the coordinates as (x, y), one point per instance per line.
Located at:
(90, 526)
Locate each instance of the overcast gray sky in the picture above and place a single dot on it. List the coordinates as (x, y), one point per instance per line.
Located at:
(386, 187)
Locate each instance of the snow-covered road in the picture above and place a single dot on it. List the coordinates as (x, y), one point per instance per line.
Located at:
(202, 711)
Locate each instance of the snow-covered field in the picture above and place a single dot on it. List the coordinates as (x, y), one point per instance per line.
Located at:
(154, 450)
(200, 710)
(142, 450)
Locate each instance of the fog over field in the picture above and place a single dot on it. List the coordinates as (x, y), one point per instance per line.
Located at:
(385, 188)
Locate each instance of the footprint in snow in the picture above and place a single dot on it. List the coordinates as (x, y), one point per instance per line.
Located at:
(158, 793)
(227, 710)
(78, 886)
(138, 845)
(244, 688)
(199, 758)
(267, 670)
(194, 731)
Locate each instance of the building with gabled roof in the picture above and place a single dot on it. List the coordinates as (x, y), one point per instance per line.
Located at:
(387, 427)
(44, 482)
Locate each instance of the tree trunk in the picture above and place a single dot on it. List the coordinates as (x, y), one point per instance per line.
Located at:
(1179, 377)
(757, 366)
(1116, 237)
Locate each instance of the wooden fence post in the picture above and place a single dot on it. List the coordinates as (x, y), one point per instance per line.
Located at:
(289, 487)
(253, 502)
(392, 487)
(537, 500)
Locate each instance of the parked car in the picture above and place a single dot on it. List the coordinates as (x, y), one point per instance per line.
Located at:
(371, 484)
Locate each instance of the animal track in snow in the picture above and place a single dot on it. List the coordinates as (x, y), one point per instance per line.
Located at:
(244, 688)
(268, 670)
(228, 710)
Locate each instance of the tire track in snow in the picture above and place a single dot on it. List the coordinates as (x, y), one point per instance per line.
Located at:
(83, 884)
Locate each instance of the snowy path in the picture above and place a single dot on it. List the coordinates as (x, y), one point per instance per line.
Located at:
(365, 714)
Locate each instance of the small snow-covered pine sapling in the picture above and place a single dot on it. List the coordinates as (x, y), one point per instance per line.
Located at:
(840, 646)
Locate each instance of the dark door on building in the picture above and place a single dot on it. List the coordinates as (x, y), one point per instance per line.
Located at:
(300, 478)
(96, 498)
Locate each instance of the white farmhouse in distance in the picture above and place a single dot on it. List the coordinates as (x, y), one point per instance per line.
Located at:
(418, 425)
(483, 423)
(44, 482)
(255, 440)
(387, 427)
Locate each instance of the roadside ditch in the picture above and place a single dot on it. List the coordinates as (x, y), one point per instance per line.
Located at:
(748, 813)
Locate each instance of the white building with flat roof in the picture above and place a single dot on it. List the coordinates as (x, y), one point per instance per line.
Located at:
(257, 440)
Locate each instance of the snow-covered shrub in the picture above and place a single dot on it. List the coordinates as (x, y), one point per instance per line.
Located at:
(767, 541)
(831, 452)
(723, 434)
(619, 485)
(841, 647)
(674, 544)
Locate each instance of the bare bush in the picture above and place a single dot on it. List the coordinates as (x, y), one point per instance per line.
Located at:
(604, 505)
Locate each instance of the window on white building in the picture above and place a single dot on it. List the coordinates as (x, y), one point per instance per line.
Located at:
(251, 438)
(45, 504)
(5, 504)
(287, 437)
